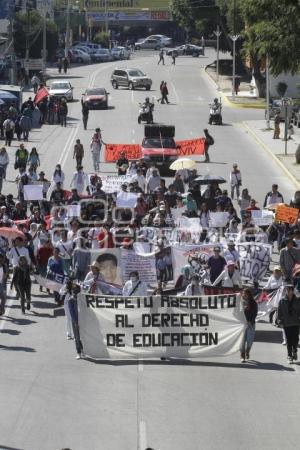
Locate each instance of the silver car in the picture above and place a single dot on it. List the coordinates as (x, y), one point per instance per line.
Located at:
(130, 78)
(120, 53)
(61, 89)
(151, 44)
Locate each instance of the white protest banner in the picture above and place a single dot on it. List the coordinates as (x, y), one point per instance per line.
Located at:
(218, 219)
(177, 212)
(255, 259)
(145, 266)
(111, 184)
(261, 217)
(52, 281)
(33, 192)
(126, 200)
(155, 327)
(109, 262)
(195, 256)
(267, 301)
(73, 210)
(189, 223)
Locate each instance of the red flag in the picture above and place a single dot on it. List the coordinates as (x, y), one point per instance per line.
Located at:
(41, 93)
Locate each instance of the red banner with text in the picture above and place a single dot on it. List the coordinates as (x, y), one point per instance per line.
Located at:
(112, 151)
(191, 147)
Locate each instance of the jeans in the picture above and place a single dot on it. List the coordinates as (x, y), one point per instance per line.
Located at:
(25, 294)
(96, 160)
(2, 298)
(63, 120)
(292, 339)
(25, 135)
(248, 338)
(237, 188)
(85, 121)
(72, 305)
(79, 161)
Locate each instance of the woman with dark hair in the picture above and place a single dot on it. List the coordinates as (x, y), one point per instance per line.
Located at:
(249, 306)
(34, 159)
(288, 317)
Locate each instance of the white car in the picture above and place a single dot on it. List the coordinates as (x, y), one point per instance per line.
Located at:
(120, 53)
(165, 40)
(61, 89)
(79, 56)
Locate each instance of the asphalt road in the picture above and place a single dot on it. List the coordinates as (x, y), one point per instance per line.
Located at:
(49, 400)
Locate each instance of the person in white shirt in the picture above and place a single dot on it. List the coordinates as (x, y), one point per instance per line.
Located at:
(134, 286)
(92, 279)
(58, 176)
(79, 180)
(275, 281)
(273, 196)
(141, 180)
(194, 287)
(93, 235)
(230, 277)
(235, 180)
(18, 250)
(231, 254)
(65, 249)
(4, 161)
(153, 181)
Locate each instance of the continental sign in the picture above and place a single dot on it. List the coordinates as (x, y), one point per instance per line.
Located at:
(125, 5)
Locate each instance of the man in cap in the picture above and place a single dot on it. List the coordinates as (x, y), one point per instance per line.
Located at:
(230, 277)
(92, 278)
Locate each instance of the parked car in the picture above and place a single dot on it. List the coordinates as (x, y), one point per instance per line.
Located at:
(118, 53)
(165, 40)
(78, 56)
(84, 49)
(96, 98)
(130, 78)
(277, 106)
(186, 49)
(151, 44)
(62, 89)
(101, 55)
(90, 45)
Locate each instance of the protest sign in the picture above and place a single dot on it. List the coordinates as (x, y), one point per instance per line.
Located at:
(255, 259)
(218, 219)
(177, 212)
(52, 281)
(267, 301)
(112, 151)
(73, 210)
(190, 147)
(111, 184)
(189, 223)
(126, 200)
(33, 192)
(160, 326)
(109, 261)
(286, 214)
(195, 256)
(145, 266)
(262, 217)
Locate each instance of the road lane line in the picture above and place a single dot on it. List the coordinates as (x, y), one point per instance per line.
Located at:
(175, 92)
(132, 97)
(142, 435)
(68, 145)
(140, 365)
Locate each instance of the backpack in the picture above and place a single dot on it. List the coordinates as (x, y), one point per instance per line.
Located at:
(210, 140)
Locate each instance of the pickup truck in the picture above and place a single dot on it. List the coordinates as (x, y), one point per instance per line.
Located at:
(159, 146)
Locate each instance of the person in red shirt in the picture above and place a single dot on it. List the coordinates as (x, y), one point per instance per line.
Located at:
(43, 254)
(105, 237)
(252, 205)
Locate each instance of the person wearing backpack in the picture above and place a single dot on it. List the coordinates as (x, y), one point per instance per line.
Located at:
(8, 127)
(21, 157)
(134, 286)
(209, 140)
(78, 153)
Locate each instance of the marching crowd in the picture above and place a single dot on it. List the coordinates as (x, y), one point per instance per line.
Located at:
(42, 237)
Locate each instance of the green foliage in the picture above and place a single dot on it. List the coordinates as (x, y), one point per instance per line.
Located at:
(28, 28)
(281, 88)
(101, 38)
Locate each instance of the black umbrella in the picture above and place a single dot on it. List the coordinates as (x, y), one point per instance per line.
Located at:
(209, 179)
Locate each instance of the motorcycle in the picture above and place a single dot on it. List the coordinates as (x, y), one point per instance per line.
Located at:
(215, 114)
(146, 112)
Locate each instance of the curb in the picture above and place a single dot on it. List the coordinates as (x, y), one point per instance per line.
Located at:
(292, 178)
(230, 103)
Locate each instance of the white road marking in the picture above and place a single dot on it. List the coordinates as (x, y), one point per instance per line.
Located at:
(175, 92)
(142, 435)
(133, 131)
(69, 143)
(140, 365)
(132, 97)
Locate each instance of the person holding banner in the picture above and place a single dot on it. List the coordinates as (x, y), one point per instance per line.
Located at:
(250, 309)
(288, 317)
(194, 287)
(134, 286)
(230, 277)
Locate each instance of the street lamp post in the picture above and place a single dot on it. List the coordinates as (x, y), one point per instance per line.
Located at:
(286, 102)
(218, 34)
(234, 38)
(67, 37)
(44, 55)
(267, 93)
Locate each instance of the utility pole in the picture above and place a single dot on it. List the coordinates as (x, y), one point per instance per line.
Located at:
(218, 34)
(44, 51)
(234, 38)
(67, 37)
(27, 36)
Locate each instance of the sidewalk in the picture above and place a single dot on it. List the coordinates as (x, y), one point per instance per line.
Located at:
(276, 147)
(246, 98)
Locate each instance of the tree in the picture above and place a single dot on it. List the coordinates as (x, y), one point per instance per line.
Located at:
(28, 31)
(101, 38)
(281, 88)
